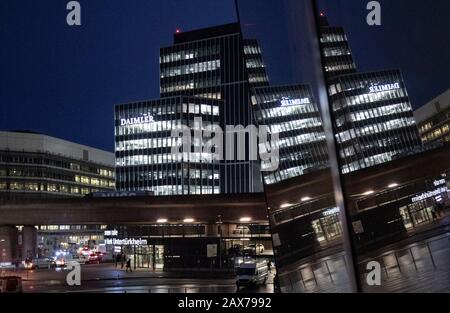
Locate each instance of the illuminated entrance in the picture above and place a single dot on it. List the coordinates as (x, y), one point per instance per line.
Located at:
(148, 257)
(327, 228)
(417, 214)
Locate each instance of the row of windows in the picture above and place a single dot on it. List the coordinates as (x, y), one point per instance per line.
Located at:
(187, 173)
(369, 98)
(258, 78)
(252, 49)
(295, 125)
(437, 120)
(57, 176)
(71, 227)
(375, 129)
(375, 144)
(190, 84)
(177, 189)
(190, 68)
(190, 54)
(368, 162)
(170, 109)
(280, 111)
(438, 133)
(23, 159)
(340, 67)
(94, 181)
(290, 173)
(254, 63)
(333, 37)
(376, 112)
(142, 159)
(36, 187)
(161, 126)
(336, 51)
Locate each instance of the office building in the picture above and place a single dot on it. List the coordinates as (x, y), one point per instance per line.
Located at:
(433, 120)
(372, 113)
(33, 165)
(292, 112)
(206, 74)
(373, 118)
(144, 142)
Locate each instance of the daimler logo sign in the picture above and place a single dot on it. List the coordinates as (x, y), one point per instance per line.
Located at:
(147, 119)
(386, 87)
(286, 102)
(439, 191)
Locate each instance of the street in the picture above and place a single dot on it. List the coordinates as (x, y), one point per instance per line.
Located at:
(106, 278)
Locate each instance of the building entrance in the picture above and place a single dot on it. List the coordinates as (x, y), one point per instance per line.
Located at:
(327, 228)
(148, 257)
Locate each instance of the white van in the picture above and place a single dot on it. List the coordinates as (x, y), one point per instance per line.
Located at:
(252, 273)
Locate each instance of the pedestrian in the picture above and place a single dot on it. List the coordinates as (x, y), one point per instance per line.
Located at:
(269, 266)
(129, 265)
(122, 260)
(433, 213)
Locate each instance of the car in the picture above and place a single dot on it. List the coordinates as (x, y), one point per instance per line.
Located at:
(241, 230)
(43, 263)
(93, 259)
(78, 258)
(11, 284)
(254, 249)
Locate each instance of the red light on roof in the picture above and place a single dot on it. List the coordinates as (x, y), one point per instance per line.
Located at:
(322, 14)
(178, 31)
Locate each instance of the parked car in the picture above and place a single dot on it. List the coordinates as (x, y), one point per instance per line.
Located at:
(241, 230)
(254, 249)
(11, 284)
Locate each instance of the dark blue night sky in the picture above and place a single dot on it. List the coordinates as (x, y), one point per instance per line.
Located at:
(64, 81)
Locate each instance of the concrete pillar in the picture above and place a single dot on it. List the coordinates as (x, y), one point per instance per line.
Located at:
(212, 230)
(29, 242)
(8, 244)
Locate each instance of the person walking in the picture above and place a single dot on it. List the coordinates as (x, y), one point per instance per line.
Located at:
(122, 260)
(128, 265)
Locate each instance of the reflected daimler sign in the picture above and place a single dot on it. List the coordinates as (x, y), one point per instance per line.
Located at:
(285, 102)
(438, 183)
(387, 87)
(137, 120)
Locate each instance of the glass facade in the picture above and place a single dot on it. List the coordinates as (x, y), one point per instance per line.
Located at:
(206, 74)
(336, 51)
(144, 156)
(291, 111)
(43, 175)
(374, 121)
(372, 113)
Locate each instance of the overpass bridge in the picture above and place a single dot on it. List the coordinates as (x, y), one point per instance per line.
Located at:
(145, 210)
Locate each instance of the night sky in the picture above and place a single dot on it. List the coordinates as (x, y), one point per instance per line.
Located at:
(64, 81)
